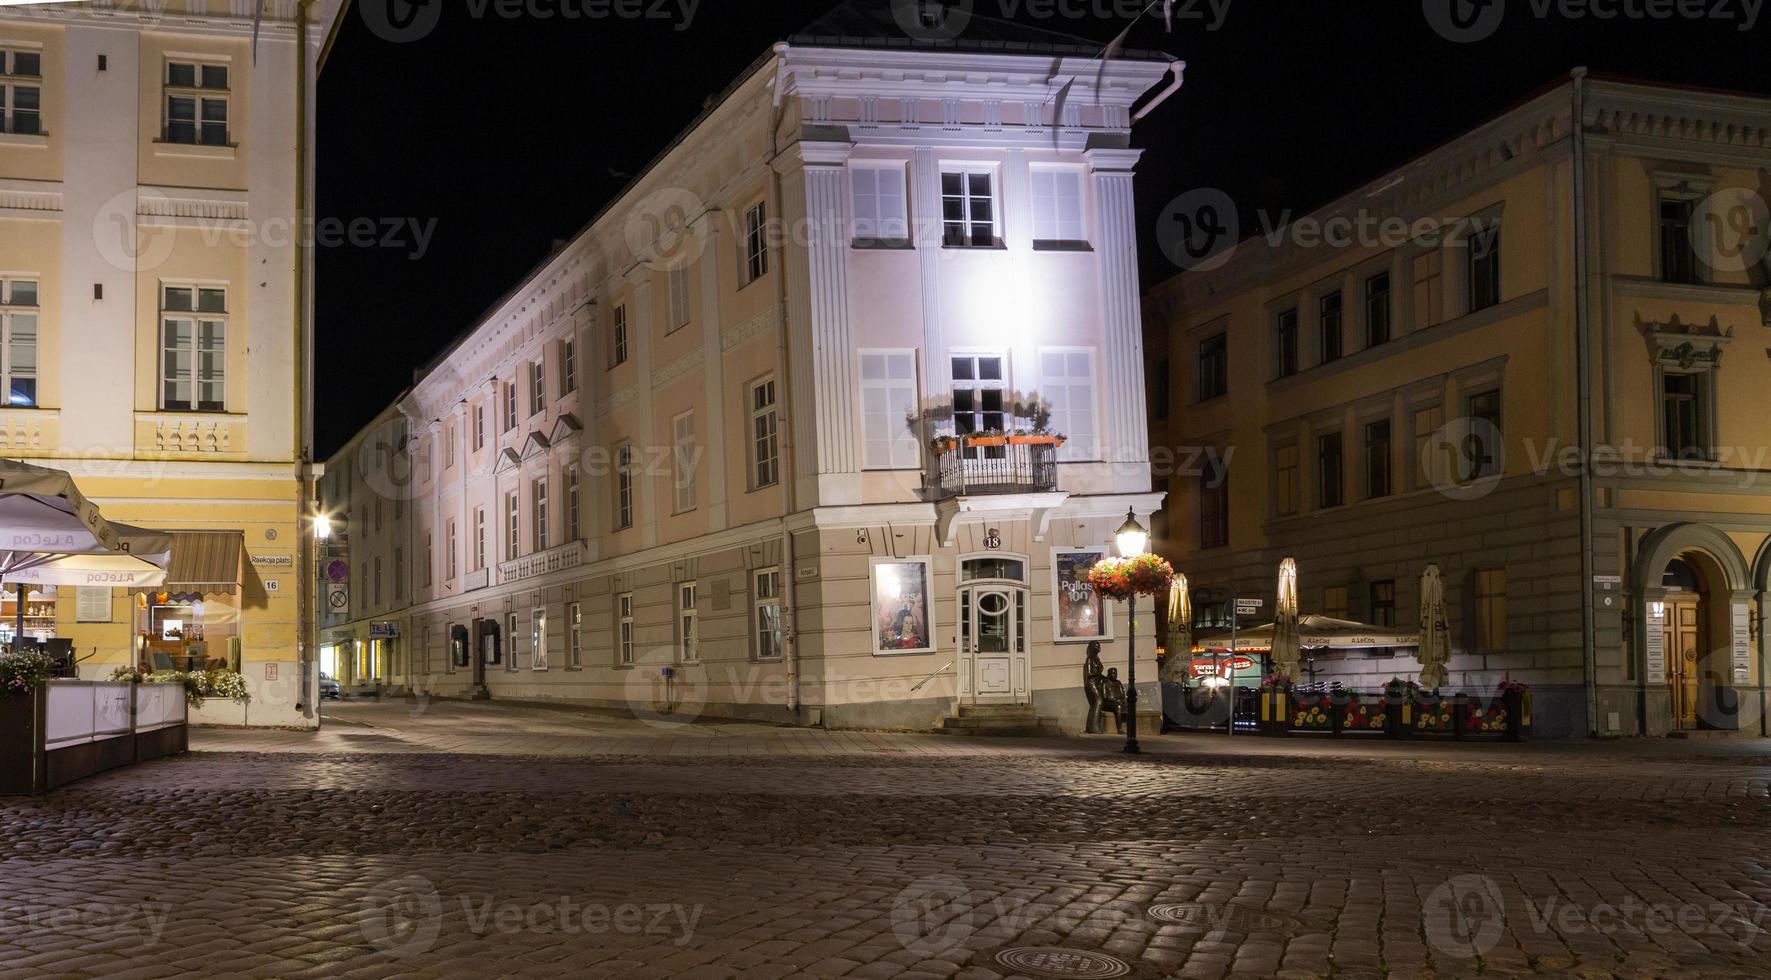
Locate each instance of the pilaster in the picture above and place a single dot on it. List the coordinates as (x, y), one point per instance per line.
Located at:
(1128, 439)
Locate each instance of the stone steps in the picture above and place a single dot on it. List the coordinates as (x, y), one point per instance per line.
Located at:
(999, 721)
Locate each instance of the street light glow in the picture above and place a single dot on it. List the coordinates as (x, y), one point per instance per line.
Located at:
(1132, 537)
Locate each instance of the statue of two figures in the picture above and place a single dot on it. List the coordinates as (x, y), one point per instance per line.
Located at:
(1105, 693)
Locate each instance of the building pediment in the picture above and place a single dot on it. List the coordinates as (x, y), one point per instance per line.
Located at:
(565, 429)
(1686, 345)
(535, 446)
(508, 459)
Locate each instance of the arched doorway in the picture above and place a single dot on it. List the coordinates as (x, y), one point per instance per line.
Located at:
(1692, 583)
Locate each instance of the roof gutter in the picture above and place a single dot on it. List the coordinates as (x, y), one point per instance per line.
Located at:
(1176, 71)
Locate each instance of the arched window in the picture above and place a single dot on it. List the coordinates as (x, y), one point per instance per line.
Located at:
(1681, 577)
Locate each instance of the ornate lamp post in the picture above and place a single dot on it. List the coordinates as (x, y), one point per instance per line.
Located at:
(1132, 540)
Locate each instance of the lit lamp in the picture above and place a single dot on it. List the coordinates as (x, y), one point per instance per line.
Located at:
(1132, 540)
(322, 527)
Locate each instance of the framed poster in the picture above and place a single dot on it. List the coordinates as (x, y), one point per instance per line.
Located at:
(1080, 615)
(902, 615)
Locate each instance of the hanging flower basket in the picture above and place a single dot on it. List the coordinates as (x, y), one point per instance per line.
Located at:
(1122, 578)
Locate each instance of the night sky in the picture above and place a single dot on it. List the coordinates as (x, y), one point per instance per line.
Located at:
(511, 132)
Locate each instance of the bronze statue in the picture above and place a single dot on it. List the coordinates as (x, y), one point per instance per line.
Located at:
(1113, 700)
(1092, 677)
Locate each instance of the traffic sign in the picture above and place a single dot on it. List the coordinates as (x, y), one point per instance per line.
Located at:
(1249, 607)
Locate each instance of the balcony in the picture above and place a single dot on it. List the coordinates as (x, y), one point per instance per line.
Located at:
(557, 558)
(975, 465)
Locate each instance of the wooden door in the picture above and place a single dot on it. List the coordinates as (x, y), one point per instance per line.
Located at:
(1685, 631)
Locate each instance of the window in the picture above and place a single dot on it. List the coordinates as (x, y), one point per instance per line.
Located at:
(1057, 208)
(968, 212)
(618, 337)
(1330, 482)
(765, 462)
(1377, 310)
(1377, 459)
(1678, 258)
(574, 634)
(21, 92)
(448, 452)
(1432, 453)
(538, 638)
(766, 603)
(377, 581)
(537, 388)
(1482, 253)
(882, 212)
(624, 628)
(1429, 289)
(568, 366)
(1214, 507)
(538, 514)
(1159, 391)
(193, 373)
(399, 573)
(888, 402)
(756, 243)
(479, 538)
(1383, 611)
(1285, 341)
(430, 558)
(684, 457)
(510, 633)
(687, 637)
(1330, 336)
(196, 103)
(18, 341)
(510, 527)
(375, 510)
(510, 405)
(980, 396)
(479, 427)
(1214, 367)
(451, 551)
(1335, 604)
(623, 487)
(574, 502)
(1684, 400)
(1285, 467)
(1480, 455)
(1067, 386)
(1491, 611)
(679, 298)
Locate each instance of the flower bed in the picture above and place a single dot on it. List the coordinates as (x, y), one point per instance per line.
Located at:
(1401, 711)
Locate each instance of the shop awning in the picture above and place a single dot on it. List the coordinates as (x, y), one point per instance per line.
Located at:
(206, 562)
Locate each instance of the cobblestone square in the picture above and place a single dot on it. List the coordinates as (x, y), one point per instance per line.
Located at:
(447, 840)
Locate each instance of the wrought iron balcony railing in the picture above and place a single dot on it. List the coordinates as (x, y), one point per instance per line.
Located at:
(995, 465)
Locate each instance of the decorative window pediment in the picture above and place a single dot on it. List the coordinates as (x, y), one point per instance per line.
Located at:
(1687, 346)
(565, 429)
(507, 460)
(535, 446)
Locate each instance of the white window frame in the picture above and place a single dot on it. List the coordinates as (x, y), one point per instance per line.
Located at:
(538, 529)
(688, 625)
(979, 385)
(1099, 552)
(624, 629)
(479, 426)
(679, 298)
(11, 314)
(430, 558)
(512, 526)
(758, 603)
(194, 319)
(450, 542)
(928, 579)
(969, 224)
(201, 98)
(753, 243)
(574, 635)
(880, 204)
(1053, 226)
(479, 531)
(684, 461)
(568, 366)
(538, 638)
(618, 336)
(510, 642)
(624, 486)
(510, 405)
(762, 436)
(901, 449)
(537, 387)
(10, 85)
(1082, 442)
(572, 490)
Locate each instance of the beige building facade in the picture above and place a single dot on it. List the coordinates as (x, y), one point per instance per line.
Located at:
(1536, 356)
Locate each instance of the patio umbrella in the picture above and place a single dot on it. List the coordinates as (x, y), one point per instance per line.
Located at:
(139, 562)
(1435, 633)
(1180, 631)
(1287, 644)
(43, 517)
(1313, 633)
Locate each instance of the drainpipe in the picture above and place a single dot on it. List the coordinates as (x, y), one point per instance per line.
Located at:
(1583, 330)
(306, 578)
(784, 427)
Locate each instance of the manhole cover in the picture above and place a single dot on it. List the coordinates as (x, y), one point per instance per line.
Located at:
(1054, 961)
(1223, 918)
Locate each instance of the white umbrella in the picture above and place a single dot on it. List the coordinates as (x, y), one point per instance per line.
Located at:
(1435, 632)
(44, 516)
(1180, 631)
(1315, 633)
(1287, 643)
(139, 562)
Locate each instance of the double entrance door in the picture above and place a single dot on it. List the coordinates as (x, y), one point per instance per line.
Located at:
(993, 643)
(1686, 628)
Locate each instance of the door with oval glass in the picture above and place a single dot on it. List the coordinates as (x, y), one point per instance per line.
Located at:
(993, 639)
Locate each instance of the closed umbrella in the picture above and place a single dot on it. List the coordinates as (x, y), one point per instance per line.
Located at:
(1435, 632)
(1180, 631)
(1287, 643)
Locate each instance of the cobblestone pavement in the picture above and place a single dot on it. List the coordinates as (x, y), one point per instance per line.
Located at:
(485, 841)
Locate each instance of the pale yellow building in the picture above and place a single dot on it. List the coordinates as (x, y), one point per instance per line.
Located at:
(1402, 377)
(155, 283)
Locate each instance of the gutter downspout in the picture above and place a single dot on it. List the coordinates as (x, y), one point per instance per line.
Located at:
(783, 422)
(1583, 330)
(1176, 71)
(306, 577)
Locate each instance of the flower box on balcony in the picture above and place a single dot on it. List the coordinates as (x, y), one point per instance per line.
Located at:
(944, 445)
(1036, 440)
(986, 440)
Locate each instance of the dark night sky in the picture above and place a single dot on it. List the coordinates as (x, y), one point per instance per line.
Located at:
(511, 133)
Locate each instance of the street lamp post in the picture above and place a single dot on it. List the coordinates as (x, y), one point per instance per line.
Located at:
(1132, 539)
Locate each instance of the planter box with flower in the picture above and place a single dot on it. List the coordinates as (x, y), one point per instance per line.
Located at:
(53, 732)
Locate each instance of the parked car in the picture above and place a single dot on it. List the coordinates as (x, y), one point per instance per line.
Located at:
(329, 689)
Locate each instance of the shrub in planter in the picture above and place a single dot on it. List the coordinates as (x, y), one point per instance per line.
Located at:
(199, 685)
(21, 671)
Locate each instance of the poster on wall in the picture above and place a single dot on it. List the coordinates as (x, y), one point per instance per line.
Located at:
(1743, 644)
(92, 604)
(1081, 613)
(901, 606)
(1656, 669)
